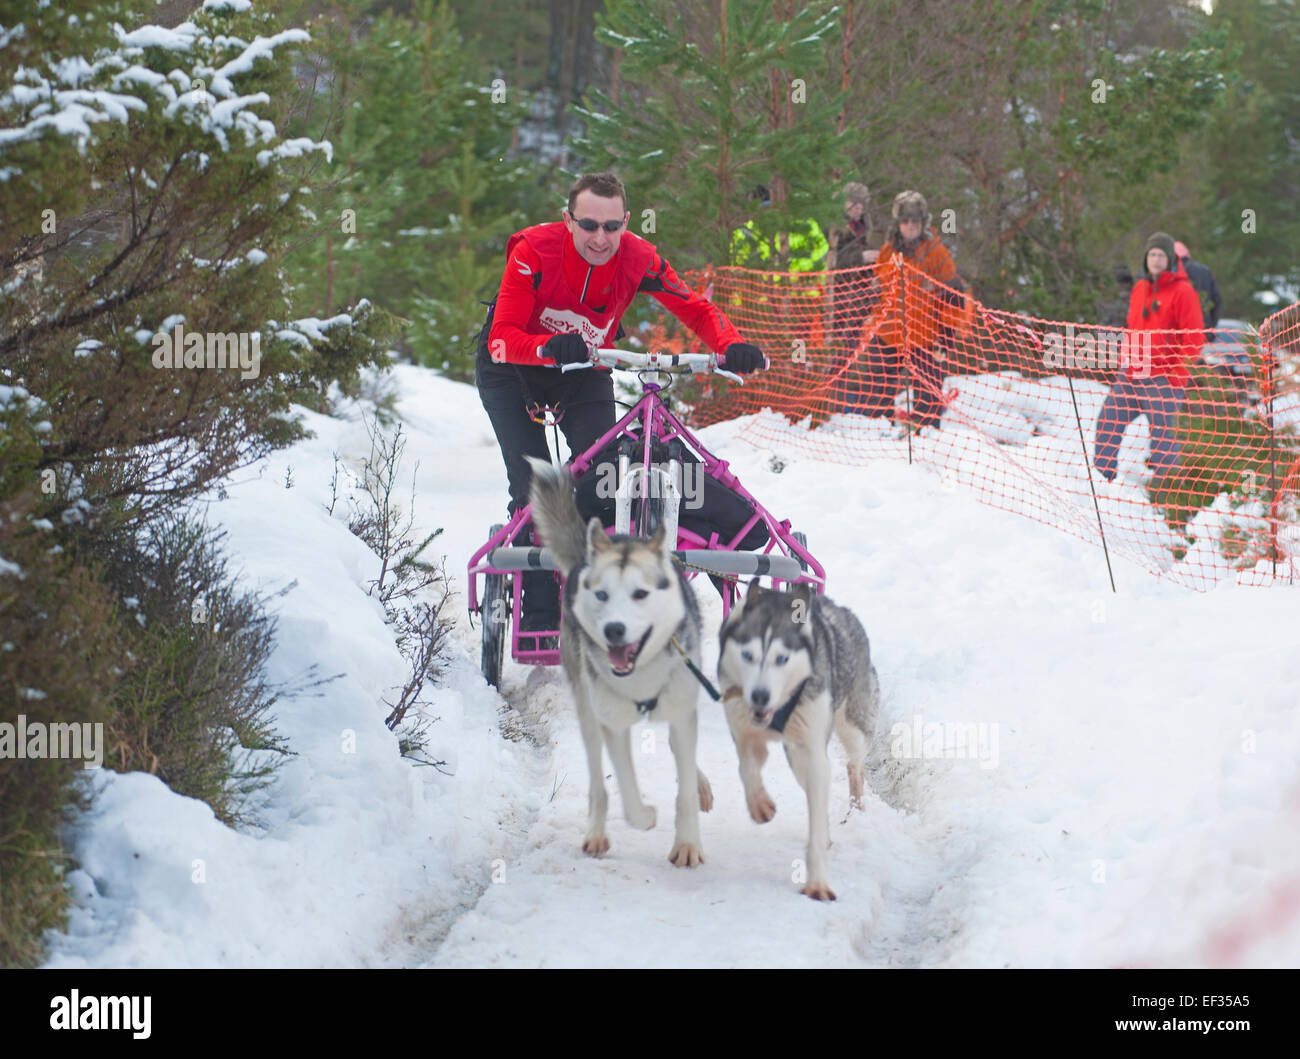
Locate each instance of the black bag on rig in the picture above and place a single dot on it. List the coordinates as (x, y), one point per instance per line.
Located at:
(716, 510)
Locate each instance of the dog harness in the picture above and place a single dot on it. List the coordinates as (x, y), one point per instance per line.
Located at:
(646, 705)
(782, 715)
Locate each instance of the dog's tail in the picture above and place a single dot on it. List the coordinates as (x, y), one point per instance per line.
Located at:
(556, 515)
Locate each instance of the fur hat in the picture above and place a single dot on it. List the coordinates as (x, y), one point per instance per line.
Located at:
(1161, 241)
(855, 192)
(910, 205)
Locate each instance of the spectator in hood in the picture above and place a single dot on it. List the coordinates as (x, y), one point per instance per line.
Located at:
(1206, 289)
(907, 323)
(1164, 303)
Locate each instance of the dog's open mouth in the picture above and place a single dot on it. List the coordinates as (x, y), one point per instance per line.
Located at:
(622, 657)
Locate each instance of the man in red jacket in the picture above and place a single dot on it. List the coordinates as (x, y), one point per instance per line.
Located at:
(565, 288)
(1165, 303)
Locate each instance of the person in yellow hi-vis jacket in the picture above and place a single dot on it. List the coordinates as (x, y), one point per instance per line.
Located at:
(808, 247)
(797, 314)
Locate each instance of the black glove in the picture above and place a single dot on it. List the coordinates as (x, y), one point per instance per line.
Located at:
(742, 358)
(567, 349)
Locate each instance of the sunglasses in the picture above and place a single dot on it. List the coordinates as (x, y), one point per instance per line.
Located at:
(588, 225)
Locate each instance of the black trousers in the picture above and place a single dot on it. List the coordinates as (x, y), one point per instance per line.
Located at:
(584, 403)
(872, 383)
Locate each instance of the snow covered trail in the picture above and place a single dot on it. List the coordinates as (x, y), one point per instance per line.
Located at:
(1131, 793)
(1137, 789)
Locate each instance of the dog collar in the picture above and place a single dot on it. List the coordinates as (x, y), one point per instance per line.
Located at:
(646, 705)
(782, 715)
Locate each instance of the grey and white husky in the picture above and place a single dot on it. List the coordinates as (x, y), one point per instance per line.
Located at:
(624, 602)
(792, 666)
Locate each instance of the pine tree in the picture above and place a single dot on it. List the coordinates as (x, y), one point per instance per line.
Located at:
(1249, 192)
(1046, 135)
(715, 99)
(416, 204)
(147, 186)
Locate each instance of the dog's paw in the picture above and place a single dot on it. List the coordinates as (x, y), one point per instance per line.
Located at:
(706, 794)
(642, 817)
(818, 891)
(687, 855)
(595, 845)
(761, 806)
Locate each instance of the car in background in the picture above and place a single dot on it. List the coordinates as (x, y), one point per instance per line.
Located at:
(1229, 356)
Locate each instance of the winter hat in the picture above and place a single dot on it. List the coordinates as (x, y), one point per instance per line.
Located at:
(855, 192)
(1181, 250)
(1164, 242)
(910, 205)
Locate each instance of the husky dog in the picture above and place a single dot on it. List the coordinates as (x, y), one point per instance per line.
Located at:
(793, 665)
(624, 601)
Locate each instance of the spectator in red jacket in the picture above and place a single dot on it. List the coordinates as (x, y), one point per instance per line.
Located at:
(565, 289)
(1165, 304)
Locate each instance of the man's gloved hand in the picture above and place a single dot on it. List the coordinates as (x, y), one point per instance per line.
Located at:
(742, 358)
(567, 349)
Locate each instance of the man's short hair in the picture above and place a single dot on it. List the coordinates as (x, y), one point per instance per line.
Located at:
(606, 185)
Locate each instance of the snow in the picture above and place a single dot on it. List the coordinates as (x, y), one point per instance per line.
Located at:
(313, 328)
(359, 851)
(297, 337)
(261, 48)
(295, 148)
(1140, 809)
(178, 39)
(1015, 442)
(1286, 411)
(64, 97)
(10, 395)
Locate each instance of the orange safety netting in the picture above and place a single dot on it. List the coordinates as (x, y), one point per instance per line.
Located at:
(885, 362)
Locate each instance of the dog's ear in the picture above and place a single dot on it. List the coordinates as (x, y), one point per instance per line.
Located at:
(752, 595)
(597, 541)
(657, 538)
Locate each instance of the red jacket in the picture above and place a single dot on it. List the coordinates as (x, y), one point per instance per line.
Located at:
(548, 289)
(1173, 308)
